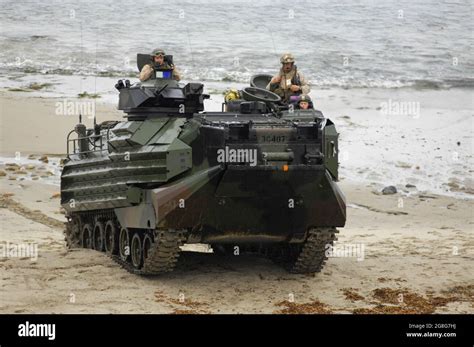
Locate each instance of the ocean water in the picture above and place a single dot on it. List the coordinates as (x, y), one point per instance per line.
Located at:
(366, 43)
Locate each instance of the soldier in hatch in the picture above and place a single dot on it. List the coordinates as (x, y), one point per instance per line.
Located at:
(148, 70)
(288, 81)
(305, 102)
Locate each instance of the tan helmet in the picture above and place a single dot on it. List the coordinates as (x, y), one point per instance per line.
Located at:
(158, 51)
(287, 58)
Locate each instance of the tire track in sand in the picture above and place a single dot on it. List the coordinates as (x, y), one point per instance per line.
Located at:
(35, 215)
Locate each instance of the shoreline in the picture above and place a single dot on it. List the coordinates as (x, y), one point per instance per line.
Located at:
(430, 151)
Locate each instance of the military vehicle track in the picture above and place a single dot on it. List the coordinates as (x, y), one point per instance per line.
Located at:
(162, 254)
(139, 251)
(153, 252)
(307, 257)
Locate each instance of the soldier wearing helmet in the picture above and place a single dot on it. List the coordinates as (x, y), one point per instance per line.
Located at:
(288, 81)
(304, 102)
(148, 70)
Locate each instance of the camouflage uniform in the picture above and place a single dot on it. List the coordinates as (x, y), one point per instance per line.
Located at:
(287, 79)
(148, 70)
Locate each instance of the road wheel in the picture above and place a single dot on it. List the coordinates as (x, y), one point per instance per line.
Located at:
(111, 238)
(86, 236)
(136, 251)
(147, 243)
(124, 244)
(99, 236)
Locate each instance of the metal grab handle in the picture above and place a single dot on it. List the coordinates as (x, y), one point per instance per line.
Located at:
(333, 149)
(278, 156)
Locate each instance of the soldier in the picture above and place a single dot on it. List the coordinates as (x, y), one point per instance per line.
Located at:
(288, 81)
(148, 70)
(305, 102)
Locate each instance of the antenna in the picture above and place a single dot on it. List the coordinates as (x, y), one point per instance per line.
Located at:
(96, 127)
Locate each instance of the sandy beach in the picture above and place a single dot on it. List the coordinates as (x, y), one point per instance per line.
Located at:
(415, 248)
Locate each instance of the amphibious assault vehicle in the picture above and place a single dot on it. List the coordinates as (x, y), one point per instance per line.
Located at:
(258, 175)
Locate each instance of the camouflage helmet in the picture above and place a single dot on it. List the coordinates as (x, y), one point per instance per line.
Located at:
(305, 98)
(287, 58)
(157, 51)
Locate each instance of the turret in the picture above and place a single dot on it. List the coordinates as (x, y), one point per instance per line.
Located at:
(160, 96)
